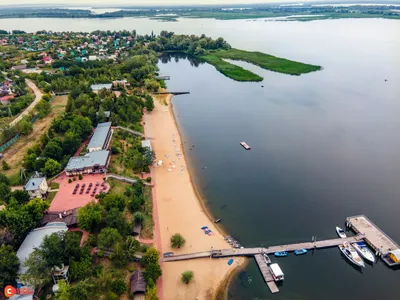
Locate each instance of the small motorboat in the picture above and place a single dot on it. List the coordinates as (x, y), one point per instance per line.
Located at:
(351, 254)
(280, 254)
(267, 259)
(341, 232)
(364, 251)
(217, 221)
(204, 227)
(300, 251)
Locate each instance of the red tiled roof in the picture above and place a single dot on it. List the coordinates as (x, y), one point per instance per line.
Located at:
(6, 98)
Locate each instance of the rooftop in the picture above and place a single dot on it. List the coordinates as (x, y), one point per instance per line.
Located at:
(100, 135)
(137, 283)
(35, 238)
(33, 183)
(98, 87)
(87, 161)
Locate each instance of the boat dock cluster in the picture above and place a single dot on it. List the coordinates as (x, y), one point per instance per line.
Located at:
(366, 233)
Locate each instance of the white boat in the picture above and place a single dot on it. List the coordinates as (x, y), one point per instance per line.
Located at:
(351, 254)
(341, 232)
(276, 272)
(267, 259)
(364, 251)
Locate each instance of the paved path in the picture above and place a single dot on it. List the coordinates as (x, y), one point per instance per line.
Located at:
(125, 179)
(38, 97)
(129, 130)
(253, 251)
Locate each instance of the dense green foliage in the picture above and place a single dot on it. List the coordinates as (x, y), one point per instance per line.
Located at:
(9, 264)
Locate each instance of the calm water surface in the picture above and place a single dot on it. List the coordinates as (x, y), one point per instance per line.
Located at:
(324, 145)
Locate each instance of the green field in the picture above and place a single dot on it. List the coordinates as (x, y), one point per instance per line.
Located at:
(265, 61)
(232, 71)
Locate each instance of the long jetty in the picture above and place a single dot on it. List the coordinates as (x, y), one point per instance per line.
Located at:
(365, 229)
(173, 93)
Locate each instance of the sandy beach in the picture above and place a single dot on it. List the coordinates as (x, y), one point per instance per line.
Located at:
(178, 210)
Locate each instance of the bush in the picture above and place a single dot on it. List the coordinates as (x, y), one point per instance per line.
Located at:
(151, 256)
(97, 270)
(100, 253)
(80, 177)
(148, 179)
(69, 180)
(111, 296)
(74, 179)
(5, 165)
(131, 269)
(177, 241)
(118, 286)
(187, 277)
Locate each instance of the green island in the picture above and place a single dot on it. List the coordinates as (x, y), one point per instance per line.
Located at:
(265, 61)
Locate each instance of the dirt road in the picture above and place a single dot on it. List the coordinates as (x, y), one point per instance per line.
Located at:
(38, 96)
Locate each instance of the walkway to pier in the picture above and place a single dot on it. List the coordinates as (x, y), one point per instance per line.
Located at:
(269, 250)
(129, 130)
(173, 93)
(266, 273)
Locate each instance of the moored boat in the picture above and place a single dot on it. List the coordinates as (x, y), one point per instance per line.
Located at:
(364, 251)
(341, 232)
(276, 272)
(280, 254)
(267, 259)
(351, 254)
(217, 221)
(300, 251)
(245, 146)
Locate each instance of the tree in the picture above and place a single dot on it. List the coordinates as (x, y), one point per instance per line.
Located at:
(5, 166)
(116, 220)
(30, 162)
(84, 290)
(53, 149)
(131, 246)
(21, 196)
(64, 290)
(177, 241)
(25, 126)
(43, 108)
(151, 293)
(151, 256)
(9, 264)
(81, 269)
(52, 167)
(187, 277)
(52, 249)
(4, 191)
(149, 103)
(113, 201)
(37, 271)
(139, 217)
(89, 216)
(108, 237)
(71, 143)
(4, 179)
(153, 271)
(118, 286)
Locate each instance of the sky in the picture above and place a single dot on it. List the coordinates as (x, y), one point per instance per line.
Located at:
(111, 3)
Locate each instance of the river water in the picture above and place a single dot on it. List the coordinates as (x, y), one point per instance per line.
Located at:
(325, 145)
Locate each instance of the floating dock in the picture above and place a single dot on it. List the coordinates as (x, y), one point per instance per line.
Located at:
(266, 273)
(374, 237)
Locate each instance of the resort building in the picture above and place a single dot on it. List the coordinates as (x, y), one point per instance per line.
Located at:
(137, 283)
(91, 163)
(37, 187)
(101, 137)
(98, 87)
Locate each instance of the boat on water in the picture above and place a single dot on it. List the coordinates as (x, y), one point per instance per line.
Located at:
(217, 221)
(276, 272)
(341, 232)
(245, 146)
(280, 254)
(300, 251)
(351, 254)
(364, 251)
(267, 259)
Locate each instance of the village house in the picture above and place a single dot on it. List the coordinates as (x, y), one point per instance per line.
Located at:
(37, 187)
(19, 67)
(47, 60)
(98, 87)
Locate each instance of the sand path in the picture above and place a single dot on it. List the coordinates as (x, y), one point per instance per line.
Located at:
(179, 211)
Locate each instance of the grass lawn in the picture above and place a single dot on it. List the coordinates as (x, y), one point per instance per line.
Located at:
(54, 185)
(267, 61)
(148, 224)
(50, 197)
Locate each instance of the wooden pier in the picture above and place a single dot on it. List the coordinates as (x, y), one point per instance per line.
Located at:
(266, 273)
(161, 77)
(173, 93)
(374, 236)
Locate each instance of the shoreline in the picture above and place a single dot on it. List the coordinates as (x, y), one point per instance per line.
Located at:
(182, 209)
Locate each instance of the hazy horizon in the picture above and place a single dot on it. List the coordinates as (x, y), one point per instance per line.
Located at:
(108, 3)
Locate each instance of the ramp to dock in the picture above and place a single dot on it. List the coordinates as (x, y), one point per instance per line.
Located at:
(266, 273)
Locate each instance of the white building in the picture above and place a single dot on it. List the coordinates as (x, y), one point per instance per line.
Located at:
(37, 187)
